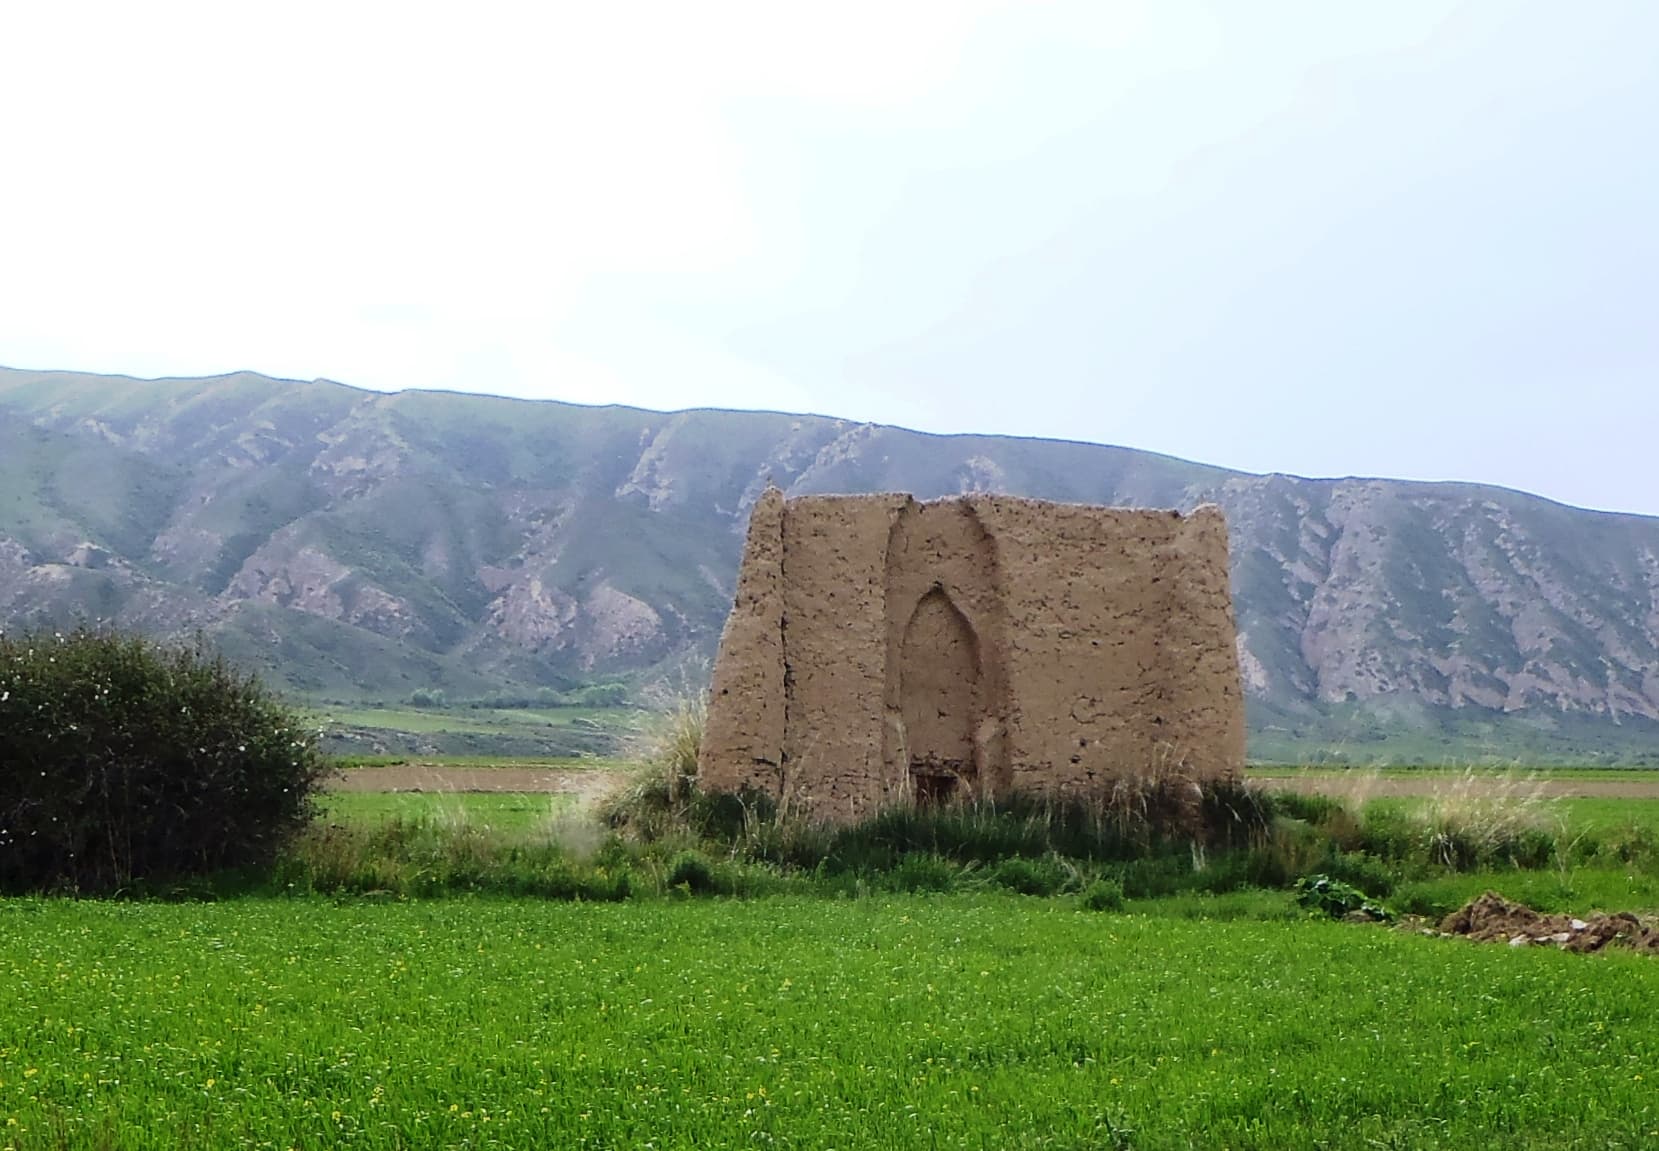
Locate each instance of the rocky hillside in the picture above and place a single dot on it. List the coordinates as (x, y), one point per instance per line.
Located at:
(365, 545)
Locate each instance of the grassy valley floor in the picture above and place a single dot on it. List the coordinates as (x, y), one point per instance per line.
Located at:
(968, 1017)
(985, 1021)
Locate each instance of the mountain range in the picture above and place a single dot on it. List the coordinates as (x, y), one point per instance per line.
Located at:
(362, 545)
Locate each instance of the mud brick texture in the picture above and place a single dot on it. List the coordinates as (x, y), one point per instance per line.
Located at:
(884, 651)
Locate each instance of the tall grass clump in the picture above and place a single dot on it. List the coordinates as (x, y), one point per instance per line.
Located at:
(1156, 814)
(428, 856)
(657, 798)
(1162, 831)
(1471, 820)
(1479, 818)
(124, 760)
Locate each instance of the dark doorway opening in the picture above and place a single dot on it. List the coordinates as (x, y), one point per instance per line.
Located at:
(933, 788)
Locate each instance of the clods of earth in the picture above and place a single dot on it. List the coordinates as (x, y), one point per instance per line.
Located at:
(1493, 919)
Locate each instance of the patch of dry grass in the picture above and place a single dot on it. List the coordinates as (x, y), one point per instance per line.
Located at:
(1480, 814)
(653, 797)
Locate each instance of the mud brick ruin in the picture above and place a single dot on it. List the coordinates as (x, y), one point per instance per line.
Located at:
(885, 651)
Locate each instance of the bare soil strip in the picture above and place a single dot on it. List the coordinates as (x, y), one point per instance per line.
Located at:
(1381, 787)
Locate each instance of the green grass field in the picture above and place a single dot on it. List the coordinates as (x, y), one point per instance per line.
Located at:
(1452, 772)
(1588, 874)
(503, 733)
(504, 811)
(1602, 814)
(973, 1018)
(559, 762)
(487, 721)
(966, 1021)
(1569, 815)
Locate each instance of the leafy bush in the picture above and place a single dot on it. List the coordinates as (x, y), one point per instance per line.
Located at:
(1366, 872)
(1029, 876)
(1390, 832)
(1155, 876)
(689, 871)
(1103, 895)
(921, 871)
(1337, 899)
(122, 760)
(1635, 844)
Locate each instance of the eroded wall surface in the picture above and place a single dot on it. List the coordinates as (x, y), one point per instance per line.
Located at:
(882, 650)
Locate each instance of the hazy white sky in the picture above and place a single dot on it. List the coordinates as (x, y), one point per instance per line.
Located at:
(1405, 239)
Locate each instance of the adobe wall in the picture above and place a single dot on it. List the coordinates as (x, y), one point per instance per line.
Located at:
(882, 650)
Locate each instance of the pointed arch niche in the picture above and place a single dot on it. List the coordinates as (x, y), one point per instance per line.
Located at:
(946, 698)
(941, 698)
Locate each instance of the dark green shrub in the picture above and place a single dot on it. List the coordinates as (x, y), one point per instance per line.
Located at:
(1635, 845)
(1029, 876)
(1233, 813)
(1390, 833)
(1345, 829)
(561, 880)
(1466, 847)
(1427, 901)
(1530, 848)
(1292, 848)
(611, 887)
(921, 871)
(1271, 866)
(1103, 895)
(124, 760)
(1155, 876)
(1457, 848)
(1366, 872)
(689, 871)
(793, 845)
(725, 816)
(1310, 808)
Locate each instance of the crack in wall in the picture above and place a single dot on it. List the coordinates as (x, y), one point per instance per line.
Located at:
(788, 668)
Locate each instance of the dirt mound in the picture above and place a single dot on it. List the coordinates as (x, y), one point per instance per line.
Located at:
(1492, 918)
